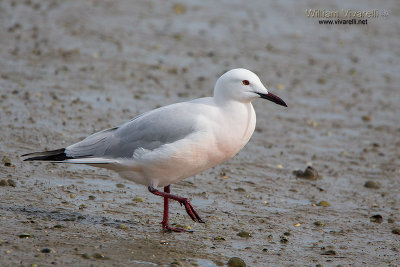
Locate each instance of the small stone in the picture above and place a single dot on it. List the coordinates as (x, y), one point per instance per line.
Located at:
(240, 189)
(324, 203)
(47, 250)
(236, 262)
(85, 256)
(120, 185)
(319, 223)
(11, 182)
(244, 234)
(58, 226)
(219, 238)
(91, 197)
(179, 9)
(321, 80)
(138, 199)
(390, 220)
(376, 218)
(283, 239)
(176, 264)
(396, 231)
(366, 118)
(72, 195)
(25, 235)
(99, 256)
(6, 161)
(309, 173)
(372, 185)
(123, 226)
(329, 253)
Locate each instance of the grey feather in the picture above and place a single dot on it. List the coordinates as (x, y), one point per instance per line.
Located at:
(148, 131)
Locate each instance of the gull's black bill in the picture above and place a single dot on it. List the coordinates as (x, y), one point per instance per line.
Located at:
(273, 98)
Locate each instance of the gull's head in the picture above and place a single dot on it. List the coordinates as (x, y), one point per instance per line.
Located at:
(244, 86)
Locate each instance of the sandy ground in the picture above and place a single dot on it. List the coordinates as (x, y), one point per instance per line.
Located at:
(70, 68)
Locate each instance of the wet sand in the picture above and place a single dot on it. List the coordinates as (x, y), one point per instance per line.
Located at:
(70, 68)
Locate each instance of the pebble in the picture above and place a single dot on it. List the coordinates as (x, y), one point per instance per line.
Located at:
(244, 234)
(176, 263)
(309, 173)
(396, 231)
(99, 256)
(6, 161)
(366, 118)
(376, 218)
(319, 223)
(25, 235)
(324, 203)
(47, 250)
(372, 185)
(283, 239)
(236, 262)
(138, 199)
(8, 182)
(240, 189)
(85, 256)
(219, 238)
(123, 226)
(329, 253)
(179, 9)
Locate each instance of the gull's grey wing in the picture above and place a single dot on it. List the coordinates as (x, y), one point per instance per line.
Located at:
(148, 131)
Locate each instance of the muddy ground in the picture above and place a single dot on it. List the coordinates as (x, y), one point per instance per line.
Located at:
(70, 68)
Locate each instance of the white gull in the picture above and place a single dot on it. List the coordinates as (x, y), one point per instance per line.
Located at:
(171, 143)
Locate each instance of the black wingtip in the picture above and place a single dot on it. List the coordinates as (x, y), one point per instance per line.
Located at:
(53, 155)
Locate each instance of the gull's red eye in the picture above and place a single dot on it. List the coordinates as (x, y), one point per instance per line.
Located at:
(245, 82)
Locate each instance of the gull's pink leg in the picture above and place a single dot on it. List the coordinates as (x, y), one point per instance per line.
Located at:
(183, 201)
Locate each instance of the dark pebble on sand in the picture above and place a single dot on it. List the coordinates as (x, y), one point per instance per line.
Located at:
(99, 256)
(46, 250)
(85, 256)
(309, 173)
(8, 182)
(372, 185)
(120, 185)
(236, 262)
(396, 231)
(283, 239)
(329, 253)
(244, 234)
(319, 223)
(376, 218)
(25, 235)
(240, 189)
(6, 161)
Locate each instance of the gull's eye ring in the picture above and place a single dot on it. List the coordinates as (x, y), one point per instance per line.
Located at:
(245, 82)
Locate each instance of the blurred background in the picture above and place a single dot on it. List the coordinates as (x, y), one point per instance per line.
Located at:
(70, 68)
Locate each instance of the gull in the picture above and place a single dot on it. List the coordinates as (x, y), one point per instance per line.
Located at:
(165, 145)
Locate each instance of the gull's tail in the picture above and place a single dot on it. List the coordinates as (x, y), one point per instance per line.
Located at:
(53, 155)
(59, 156)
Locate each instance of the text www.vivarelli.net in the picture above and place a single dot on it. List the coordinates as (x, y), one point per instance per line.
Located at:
(343, 21)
